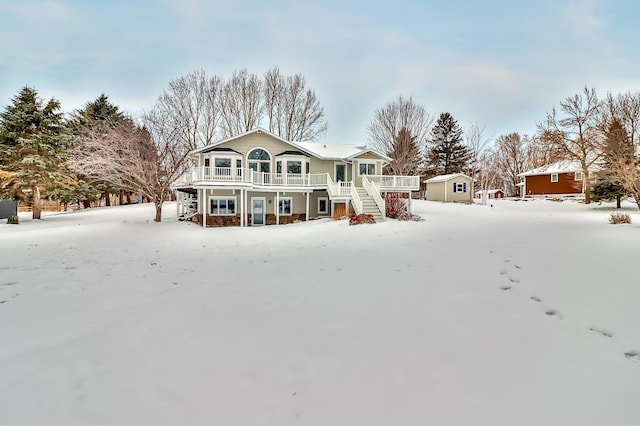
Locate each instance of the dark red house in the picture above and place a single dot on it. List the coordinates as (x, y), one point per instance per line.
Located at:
(557, 179)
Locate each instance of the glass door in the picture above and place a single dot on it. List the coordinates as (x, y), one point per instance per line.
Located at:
(257, 211)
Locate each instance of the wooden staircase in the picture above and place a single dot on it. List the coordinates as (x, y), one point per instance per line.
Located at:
(369, 205)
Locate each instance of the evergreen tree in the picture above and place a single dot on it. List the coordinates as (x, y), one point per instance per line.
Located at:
(405, 154)
(33, 145)
(618, 152)
(447, 153)
(95, 118)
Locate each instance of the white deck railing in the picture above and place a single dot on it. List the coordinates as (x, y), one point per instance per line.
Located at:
(373, 190)
(398, 183)
(231, 175)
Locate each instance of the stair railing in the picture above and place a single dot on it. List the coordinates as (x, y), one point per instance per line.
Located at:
(373, 190)
(355, 199)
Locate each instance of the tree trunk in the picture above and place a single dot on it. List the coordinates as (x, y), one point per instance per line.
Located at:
(587, 185)
(107, 199)
(86, 203)
(36, 210)
(618, 198)
(121, 199)
(128, 197)
(158, 205)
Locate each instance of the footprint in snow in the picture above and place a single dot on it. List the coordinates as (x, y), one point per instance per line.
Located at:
(632, 355)
(505, 287)
(536, 299)
(514, 280)
(553, 313)
(605, 333)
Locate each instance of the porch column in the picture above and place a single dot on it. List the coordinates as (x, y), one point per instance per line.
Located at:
(178, 197)
(246, 208)
(307, 212)
(203, 203)
(242, 208)
(409, 205)
(277, 207)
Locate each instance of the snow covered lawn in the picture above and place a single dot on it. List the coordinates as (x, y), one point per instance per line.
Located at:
(524, 313)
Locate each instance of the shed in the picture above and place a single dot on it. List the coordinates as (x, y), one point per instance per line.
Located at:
(449, 188)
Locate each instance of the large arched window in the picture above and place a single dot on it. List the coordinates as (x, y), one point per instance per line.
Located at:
(259, 160)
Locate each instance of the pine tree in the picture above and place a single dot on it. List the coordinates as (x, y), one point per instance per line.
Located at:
(95, 117)
(33, 145)
(618, 152)
(447, 153)
(405, 154)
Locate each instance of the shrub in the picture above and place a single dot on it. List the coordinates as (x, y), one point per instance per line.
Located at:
(13, 220)
(616, 218)
(361, 218)
(395, 206)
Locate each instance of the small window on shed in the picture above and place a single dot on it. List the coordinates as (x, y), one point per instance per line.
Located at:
(577, 176)
(554, 177)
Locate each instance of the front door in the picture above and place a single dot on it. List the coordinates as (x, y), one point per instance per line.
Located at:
(257, 210)
(341, 172)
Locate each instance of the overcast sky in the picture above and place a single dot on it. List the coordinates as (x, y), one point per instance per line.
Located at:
(503, 64)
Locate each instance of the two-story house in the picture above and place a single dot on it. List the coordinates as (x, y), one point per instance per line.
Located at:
(258, 178)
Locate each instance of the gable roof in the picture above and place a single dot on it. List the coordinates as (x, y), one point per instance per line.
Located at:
(564, 166)
(445, 178)
(327, 151)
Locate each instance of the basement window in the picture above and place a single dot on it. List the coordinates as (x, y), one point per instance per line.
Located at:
(222, 206)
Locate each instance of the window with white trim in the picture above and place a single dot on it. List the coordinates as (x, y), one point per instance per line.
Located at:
(323, 205)
(459, 187)
(577, 176)
(285, 205)
(222, 206)
(366, 168)
(554, 177)
(259, 160)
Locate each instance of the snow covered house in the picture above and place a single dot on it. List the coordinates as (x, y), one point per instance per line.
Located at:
(449, 188)
(258, 178)
(557, 179)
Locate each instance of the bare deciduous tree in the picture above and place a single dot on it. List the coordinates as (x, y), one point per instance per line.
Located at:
(488, 176)
(398, 115)
(190, 106)
(293, 111)
(511, 159)
(624, 107)
(241, 103)
(576, 133)
(142, 159)
(477, 144)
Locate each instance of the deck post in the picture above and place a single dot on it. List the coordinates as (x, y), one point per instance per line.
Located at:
(203, 203)
(277, 207)
(241, 208)
(307, 212)
(409, 205)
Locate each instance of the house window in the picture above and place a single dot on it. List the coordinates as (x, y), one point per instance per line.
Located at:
(554, 177)
(367, 168)
(278, 166)
(459, 187)
(294, 167)
(577, 176)
(323, 205)
(223, 162)
(284, 206)
(259, 160)
(222, 206)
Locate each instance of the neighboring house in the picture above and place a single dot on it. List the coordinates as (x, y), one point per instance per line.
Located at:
(258, 178)
(561, 178)
(490, 194)
(449, 188)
